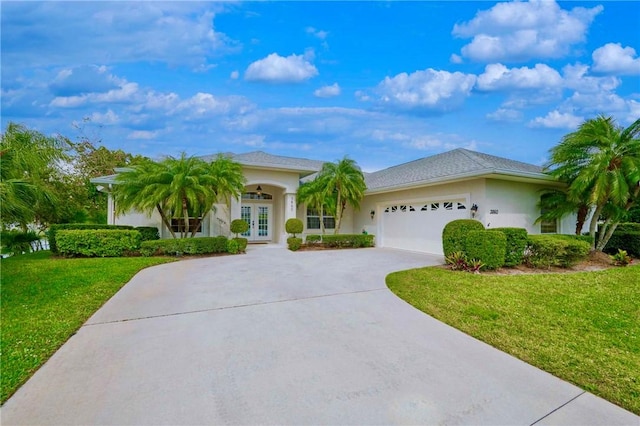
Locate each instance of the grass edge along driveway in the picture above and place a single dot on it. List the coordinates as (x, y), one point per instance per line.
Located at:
(46, 300)
(581, 327)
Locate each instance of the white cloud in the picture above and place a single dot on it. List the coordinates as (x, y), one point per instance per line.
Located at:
(203, 105)
(499, 77)
(613, 58)
(428, 89)
(278, 69)
(142, 134)
(518, 31)
(576, 78)
(317, 33)
(455, 59)
(108, 117)
(557, 120)
(505, 114)
(327, 91)
(234, 75)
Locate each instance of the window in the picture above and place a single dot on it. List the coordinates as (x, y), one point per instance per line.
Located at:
(448, 205)
(547, 226)
(313, 220)
(178, 225)
(256, 196)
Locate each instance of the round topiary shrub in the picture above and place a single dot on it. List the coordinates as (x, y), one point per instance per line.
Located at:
(239, 226)
(294, 226)
(455, 232)
(487, 247)
(294, 243)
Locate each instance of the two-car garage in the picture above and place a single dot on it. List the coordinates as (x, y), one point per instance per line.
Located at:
(418, 225)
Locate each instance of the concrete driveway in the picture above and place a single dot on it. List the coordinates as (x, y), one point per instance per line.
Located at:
(275, 337)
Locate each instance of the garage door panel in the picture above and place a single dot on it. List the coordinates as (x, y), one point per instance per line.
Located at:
(418, 226)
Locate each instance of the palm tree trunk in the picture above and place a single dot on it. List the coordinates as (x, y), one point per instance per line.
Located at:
(185, 215)
(605, 237)
(165, 220)
(581, 218)
(338, 213)
(593, 225)
(322, 220)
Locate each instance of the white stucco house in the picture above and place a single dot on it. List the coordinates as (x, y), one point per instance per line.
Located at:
(405, 206)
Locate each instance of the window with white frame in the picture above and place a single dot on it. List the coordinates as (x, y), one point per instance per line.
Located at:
(547, 226)
(178, 224)
(313, 219)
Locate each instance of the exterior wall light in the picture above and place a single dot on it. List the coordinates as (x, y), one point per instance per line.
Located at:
(474, 210)
(259, 190)
(373, 214)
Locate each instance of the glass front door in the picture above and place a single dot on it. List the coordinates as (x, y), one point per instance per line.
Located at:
(258, 216)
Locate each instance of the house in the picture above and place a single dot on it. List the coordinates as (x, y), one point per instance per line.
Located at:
(405, 206)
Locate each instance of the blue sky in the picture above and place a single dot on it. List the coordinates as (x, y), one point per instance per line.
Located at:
(381, 82)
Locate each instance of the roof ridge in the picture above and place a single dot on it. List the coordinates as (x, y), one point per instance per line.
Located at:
(473, 156)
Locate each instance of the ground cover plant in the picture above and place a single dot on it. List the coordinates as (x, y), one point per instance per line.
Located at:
(583, 327)
(45, 300)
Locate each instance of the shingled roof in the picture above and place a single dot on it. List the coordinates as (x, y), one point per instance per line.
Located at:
(457, 164)
(262, 159)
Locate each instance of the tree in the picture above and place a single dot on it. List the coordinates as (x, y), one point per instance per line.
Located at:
(182, 187)
(30, 163)
(345, 181)
(600, 162)
(316, 196)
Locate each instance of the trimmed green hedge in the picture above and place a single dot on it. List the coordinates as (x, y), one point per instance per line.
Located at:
(455, 233)
(53, 230)
(97, 243)
(516, 244)
(184, 246)
(628, 241)
(349, 240)
(487, 247)
(544, 251)
(148, 233)
(313, 238)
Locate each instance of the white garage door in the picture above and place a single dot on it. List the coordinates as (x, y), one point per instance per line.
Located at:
(418, 226)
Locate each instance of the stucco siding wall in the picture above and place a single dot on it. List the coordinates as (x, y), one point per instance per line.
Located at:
(474, 189)
(515, 204)
(287, 180)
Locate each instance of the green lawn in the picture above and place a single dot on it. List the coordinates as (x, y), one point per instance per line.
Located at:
(45, 300)
(582, 327)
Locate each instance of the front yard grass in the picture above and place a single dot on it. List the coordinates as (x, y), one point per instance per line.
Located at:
(45, 300)
(582, 327)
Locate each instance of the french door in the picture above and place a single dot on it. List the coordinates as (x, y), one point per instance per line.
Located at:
(258, 216)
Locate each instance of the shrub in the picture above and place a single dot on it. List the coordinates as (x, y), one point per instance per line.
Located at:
(349, 240)
(53, 229)
(459, 262)
(97, 243)
(294, 243)
(516, 244)
(18, 242)
(626, 239)
(621, 258)
(242, 244)
(313, 238)
(232, 246)
(544, 251)
(239, 226)
(455, 232)
(487, 247)
(628, 226)
(294, 226)
(148, 233)
(184, 246)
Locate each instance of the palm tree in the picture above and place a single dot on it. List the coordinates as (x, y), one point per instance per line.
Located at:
(182, 187)
(316, 196)
(601, 164)
(27, 159)
(345, 181)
